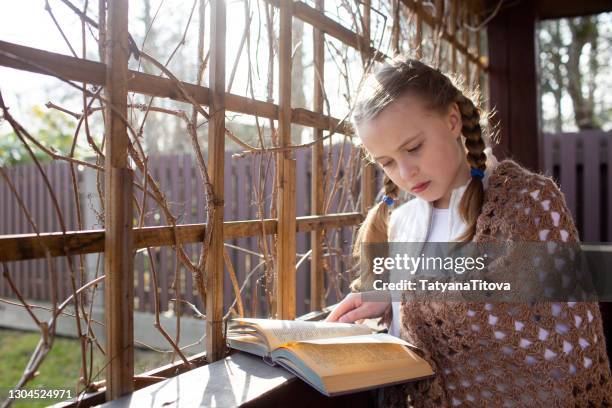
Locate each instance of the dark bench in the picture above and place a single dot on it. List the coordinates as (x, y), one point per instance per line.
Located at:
(241, 380)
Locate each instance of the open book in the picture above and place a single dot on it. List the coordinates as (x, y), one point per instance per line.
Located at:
(335, 358)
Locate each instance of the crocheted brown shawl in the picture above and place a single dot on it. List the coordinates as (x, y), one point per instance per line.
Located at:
(509, 354)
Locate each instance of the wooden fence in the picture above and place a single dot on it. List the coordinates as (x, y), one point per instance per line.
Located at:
(581, 163)
(181, 182)
(32, 277)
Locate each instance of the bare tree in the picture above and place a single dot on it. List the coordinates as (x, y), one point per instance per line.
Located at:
(584, 32)
(570, 54)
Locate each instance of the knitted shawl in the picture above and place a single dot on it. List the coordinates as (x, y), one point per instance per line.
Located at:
(504, 354)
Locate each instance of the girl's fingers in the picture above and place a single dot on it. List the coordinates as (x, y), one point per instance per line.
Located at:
(349, 303)
(355, 314)
(338, 311)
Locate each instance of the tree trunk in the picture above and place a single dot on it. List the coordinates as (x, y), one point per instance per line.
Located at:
(584, 31)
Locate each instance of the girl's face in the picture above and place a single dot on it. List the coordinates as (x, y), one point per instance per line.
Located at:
(420, 150)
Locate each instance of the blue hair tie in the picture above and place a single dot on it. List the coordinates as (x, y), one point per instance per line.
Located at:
(388, 200)
(477, 173)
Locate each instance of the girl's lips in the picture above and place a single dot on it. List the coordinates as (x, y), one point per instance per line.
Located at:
(420, 187)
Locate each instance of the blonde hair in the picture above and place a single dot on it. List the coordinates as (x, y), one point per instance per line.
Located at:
(394, 79)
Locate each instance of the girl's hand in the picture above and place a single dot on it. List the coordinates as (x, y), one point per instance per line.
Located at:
(352, 308)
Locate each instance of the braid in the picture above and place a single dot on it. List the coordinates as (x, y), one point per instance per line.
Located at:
(471, 202)
(390, 188)
(470, 116)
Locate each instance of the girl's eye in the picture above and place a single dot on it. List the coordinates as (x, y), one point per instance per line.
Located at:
(386, 164)
(416, 148)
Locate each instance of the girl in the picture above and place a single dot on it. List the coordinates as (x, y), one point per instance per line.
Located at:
(426, 135)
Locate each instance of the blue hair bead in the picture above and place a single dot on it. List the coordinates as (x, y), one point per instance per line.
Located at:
(388, 200)
(477, 173)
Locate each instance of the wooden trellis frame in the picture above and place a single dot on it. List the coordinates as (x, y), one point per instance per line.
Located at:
(119, 240)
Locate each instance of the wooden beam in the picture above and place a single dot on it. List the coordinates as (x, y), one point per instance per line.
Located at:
(513, 83)
(310, 223)
(285, 178)
(80, 70)
(478, 73)
(31, 246)
(430, 21)
(439, 28)
(367, 176)
(317, 19)
(215, 341)
(368, 184)
(549, 9)
(317, 276)
(396, 27)
(367, 6)
(418, 38)
(465, 14)
(118, 180)
(304, 117)
(453, 33)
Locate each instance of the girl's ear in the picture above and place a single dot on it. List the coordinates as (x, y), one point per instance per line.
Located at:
(454, 120)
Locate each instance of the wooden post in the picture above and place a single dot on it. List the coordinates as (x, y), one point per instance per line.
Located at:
(317, 277)
(367, 176)
(215, 343)
(477, 81)
(466, 41)
(513, 82)
(285, 177)
(439, 13)
(119, 256)
(418, 39)
(453, 33)
(439, 29)
(396, 28)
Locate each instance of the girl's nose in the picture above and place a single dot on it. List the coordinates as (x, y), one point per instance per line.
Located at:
(408, 171)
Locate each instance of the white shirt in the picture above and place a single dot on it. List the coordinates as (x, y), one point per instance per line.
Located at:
(439, 232)
(440, 227)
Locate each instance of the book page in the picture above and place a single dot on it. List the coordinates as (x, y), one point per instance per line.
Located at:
(362, 339)
(335, 359)
(279, 332)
